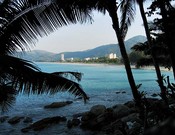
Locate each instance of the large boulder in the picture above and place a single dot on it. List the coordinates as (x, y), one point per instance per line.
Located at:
(3, 119)
(58, 104)
(130, 104)
(73, 123)
(46, 122)
(120, 111)
(97, 109)
(117, 127)
(96, 121)
(15, 120)
(131, 117)
(77, 115)
(167, 127)
(27, 120)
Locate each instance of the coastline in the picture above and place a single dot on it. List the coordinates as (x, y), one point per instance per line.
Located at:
(106, 64)
(152, 68)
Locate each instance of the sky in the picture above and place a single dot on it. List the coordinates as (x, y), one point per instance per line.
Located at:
(80, 37)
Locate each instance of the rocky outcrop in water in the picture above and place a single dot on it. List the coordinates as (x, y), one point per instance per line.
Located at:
(58, 104)
(15, 119)
(44, 123)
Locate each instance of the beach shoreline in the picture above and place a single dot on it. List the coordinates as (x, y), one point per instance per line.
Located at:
(106, 64)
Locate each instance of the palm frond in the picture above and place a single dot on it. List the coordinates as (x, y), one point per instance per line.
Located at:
(140, 47)
(7, 97)
(50, 84)
(72, 75)
(127, 9)
(147, 61)
(33, 19)
(27, 78)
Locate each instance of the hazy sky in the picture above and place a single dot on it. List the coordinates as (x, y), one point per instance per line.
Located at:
(86, 36)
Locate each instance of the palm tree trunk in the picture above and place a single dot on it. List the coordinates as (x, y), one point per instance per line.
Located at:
(156, 65)
(113, 14)
(170, 44)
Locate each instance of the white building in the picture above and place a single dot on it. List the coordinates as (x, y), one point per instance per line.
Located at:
(62, 57)
(87, 59)
(70, 59)
(112, 56)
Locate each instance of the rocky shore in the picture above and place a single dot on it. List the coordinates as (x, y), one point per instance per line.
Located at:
(121, 119)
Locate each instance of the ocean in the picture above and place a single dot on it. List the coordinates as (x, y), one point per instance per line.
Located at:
(99, 81)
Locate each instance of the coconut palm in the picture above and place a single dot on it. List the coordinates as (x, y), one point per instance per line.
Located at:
(112, 9)
(162, 55)
(167, 22)
(41, 17)
(149, 40)
(16, 32)
(111, 6)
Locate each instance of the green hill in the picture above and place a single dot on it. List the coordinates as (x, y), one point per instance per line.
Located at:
(103, 50)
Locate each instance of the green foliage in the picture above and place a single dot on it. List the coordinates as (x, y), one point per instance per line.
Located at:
(103, 60)
(135, 56)
(21, 23)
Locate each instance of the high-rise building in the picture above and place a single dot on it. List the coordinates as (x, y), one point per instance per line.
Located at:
(112, 56)
(62, 57)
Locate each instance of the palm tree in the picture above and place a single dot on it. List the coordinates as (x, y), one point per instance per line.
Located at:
(149, 40)
(43, 16)
(159, 49)
(112, 9)
(17, 75)
(167, 21)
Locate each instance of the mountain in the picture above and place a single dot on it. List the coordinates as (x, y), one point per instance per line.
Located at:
(38, 55)
(105, 49)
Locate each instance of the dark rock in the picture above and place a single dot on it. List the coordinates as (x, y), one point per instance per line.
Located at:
(117, 132)
(98, 109)
(96, 122)
(135, 129)
(3, 119)
(79, 98)
(117, 126)
(69, 124)
(87, 116)
(88, 121)
(166, 127)
(25, 130)
(79, 114)
(27, 120)
(15, 120)
(154, 95)
(58, 104)
(73, 122)
(120, 111)
(130, 104)
(44, 123)
(105, 118)
(123, 92)
(131, 117)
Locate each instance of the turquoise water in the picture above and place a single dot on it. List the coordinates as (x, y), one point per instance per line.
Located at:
(105, 78)
(100, 82)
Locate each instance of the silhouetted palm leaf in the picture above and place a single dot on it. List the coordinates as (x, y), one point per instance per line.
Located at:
(127, 9)
(7, 97)
(72, 75)
(147, 61)
(21, 23)
(140, 47)
(27, 78)
(28, 20)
